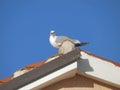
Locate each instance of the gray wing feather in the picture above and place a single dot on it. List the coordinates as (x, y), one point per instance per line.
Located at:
(60, 39)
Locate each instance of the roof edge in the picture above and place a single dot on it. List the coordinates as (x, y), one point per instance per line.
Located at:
(39, 72)
(105, 59)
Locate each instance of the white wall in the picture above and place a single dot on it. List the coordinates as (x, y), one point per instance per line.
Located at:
(99, 68)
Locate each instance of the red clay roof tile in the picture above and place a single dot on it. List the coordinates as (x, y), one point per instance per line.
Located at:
(4, 80)
(34, 65)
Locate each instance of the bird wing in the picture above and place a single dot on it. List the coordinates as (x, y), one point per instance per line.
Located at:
(60, 39)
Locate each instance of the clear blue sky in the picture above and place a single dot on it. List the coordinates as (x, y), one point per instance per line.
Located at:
(25, 27)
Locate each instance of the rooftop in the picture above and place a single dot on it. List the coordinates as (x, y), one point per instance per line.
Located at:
(76, 60)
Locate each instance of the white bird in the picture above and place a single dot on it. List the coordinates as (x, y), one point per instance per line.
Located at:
(56, 41)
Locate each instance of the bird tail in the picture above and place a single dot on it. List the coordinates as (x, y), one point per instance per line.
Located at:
(81, 44)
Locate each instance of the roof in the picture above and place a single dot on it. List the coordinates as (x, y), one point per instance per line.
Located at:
(77, 61)
(28, 68)
(91, 54)
(5, 80)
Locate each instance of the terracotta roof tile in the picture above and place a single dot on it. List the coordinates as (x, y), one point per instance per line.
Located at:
(34, 65)
(53, 57)
(28, 67)
(37, 64)
(4, 80)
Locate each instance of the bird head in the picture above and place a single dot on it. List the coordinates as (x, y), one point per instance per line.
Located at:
(52, 32)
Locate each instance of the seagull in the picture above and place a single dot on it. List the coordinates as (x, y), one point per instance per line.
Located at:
(56, 41)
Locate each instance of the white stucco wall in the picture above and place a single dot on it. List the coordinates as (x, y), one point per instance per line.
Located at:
(99, 68)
